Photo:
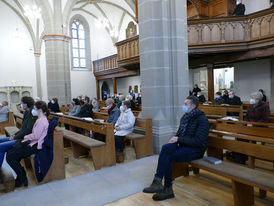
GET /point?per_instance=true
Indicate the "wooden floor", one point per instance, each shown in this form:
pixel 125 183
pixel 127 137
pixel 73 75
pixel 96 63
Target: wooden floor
pixel 205 189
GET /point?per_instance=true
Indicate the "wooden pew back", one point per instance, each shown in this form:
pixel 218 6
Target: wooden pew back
pixel 9 123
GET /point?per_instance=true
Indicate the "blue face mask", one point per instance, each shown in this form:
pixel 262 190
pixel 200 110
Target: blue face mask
pixel 34 112
pixel 230 97
pixel 217 97
pixel 108 107
pixel 185 109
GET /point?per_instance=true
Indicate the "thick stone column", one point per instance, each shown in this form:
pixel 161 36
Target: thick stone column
pixel 164 64
pixel 271 99
pixel 38 75
pixel 58 67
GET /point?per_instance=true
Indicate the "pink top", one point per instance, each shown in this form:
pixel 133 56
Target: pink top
pixel 39 132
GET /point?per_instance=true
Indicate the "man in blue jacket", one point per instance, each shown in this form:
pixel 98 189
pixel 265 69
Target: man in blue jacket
pixel 189 143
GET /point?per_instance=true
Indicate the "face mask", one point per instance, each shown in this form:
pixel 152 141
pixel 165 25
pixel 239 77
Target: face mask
pixel 52 101
pixel 230 97
pixel 34 112
pixel 122 109
pixel 217 97
pixel 185 109
pixel 252 101
pixel 237 3
pixel 108 107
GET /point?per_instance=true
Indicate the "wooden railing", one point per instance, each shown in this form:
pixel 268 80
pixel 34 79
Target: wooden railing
pixel 105 64
pixel 209 35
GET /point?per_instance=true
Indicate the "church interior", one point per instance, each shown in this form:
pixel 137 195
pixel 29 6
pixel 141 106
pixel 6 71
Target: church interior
pixel 177 71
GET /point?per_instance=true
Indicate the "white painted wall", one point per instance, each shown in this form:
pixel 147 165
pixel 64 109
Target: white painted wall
pixel 252 6
pixel 17 58
pixel 124 83
pixel 251 76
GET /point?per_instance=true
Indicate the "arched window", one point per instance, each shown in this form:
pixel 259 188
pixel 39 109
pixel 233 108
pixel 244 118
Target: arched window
pixel 79 46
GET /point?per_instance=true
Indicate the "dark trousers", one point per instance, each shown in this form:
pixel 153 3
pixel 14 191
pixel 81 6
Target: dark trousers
pixel 18 152
pixel 119 145
pixel 172 152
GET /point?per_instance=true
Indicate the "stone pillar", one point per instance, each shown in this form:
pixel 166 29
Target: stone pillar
pixel 58 67
pixel 271 98
pixel 163 64
pixel 38 75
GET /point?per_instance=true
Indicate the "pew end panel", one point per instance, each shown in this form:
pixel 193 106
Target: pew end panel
pixel 8 123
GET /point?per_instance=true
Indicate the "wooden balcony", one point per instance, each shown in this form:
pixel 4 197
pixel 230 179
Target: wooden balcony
pixel 105 64
pixel 240 38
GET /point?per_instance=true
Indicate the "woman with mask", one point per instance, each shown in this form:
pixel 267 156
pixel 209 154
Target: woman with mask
pixel 113 111
pixel 6 144
pixel 258 111
pixel 31 144
pixel 123 127
pixel 218 99
pixel 75 107
pixel 53 105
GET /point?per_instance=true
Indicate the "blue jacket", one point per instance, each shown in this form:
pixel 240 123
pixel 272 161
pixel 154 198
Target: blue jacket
pixel 43 159
pixel 113 116
pixel 196 134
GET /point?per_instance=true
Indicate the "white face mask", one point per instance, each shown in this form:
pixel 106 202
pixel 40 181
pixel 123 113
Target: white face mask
pixel 237 3
pixel 252 101
pixel 52 101
pixel 23 106
pixel 34 112
pixel 122 109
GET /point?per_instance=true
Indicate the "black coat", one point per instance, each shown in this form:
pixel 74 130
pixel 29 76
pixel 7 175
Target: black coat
pixel 196 134
pixel 202 98
pixel 235 101
pixel 54 107
pixel 195 91
pixel 86 111
pixel 226 99
pixel 239 10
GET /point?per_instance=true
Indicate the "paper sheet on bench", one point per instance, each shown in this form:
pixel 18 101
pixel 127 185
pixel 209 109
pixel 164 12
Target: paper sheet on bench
pixel 229 118
pixel 59 113
pixel 88 119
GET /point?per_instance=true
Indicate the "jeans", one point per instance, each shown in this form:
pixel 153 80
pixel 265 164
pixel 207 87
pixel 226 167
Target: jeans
pixel 173 153
pixel 18 152
pixel 5 145
pixel 119 145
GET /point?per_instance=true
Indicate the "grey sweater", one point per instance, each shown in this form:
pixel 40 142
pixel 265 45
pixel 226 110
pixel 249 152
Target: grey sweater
pixel 75 110
pixel 4 114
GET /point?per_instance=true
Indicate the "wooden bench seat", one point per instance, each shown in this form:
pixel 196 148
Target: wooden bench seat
pixel 10 122
pixel 141 137
pixel 81 145
pixel 243 178
pixel 11 131
pixel 7 181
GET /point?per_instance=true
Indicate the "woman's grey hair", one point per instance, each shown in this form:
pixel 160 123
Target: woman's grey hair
pixel 257 95
pixel 5 103
pixel 109 101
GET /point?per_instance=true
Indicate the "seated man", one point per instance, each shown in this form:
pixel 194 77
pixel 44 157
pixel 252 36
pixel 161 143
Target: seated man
pixel 218 99
pixel 123 127
pixel 7 143
pixel 31 144
pixel 113 111
pixel 258 111
pixel 189 143
pixel 4 112
pixel 86 109
pixel 201 97
pixel 233 99
pixel 75 107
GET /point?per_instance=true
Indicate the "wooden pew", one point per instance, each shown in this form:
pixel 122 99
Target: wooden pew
pixel 10 122
pixel 65 109
pixel 103 153
pixel 18 117
pixel 243 179
pixel 57 168
pixel 141 137
pixel 221 110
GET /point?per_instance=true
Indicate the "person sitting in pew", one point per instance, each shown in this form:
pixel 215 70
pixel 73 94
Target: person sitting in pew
pixel 132 103
pixel 53 105
pixel 258 111
pixel 189 143
pixel 120 100
pixel 95 105
pixel 86 109
pixel 233 99
pixel 264 96
pixel 113 111
pixel 27 124
pixel 123 127
pixel 201 97
pixel 75 107
pixel 31 144
pixel 225 97
pixel 4 111
pixel 218 99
